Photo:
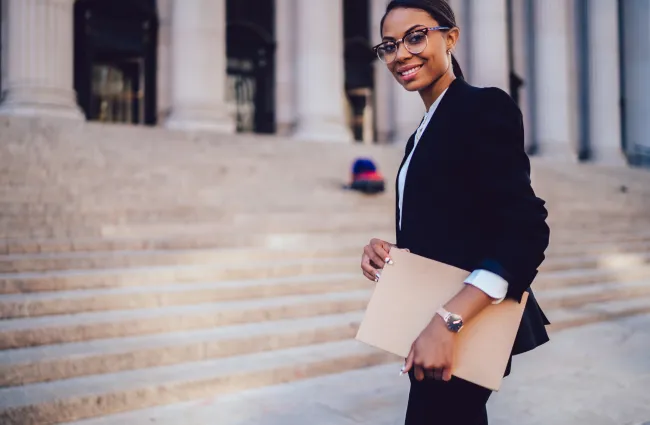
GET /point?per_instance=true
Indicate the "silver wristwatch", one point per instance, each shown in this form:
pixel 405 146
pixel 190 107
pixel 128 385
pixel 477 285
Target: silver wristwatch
pixel 453 321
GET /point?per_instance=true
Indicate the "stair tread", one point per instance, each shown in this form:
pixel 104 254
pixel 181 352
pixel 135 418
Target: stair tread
pixel 171 268
pixel 185 310
pixel 173 287
pixel 45 392
pixel 126 344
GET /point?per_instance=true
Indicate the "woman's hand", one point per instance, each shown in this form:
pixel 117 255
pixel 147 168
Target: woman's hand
pixel 375 255
pixel 432 353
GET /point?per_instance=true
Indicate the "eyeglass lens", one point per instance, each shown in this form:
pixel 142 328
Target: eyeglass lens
pixel 414 42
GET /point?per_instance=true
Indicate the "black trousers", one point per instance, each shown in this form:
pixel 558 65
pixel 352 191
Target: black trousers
pixel 456 402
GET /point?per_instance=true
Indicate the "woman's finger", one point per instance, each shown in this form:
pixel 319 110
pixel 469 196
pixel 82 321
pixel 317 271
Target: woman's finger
pixel 418 371
pixel 381 250
pixel 446 374
pixel 408 363
pixel 372 255
pixel 369 271
pixel 437 374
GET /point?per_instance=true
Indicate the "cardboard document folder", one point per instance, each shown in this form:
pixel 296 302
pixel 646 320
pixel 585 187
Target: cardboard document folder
pixel 405 300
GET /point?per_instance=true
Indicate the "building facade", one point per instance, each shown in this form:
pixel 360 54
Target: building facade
pixel 305 69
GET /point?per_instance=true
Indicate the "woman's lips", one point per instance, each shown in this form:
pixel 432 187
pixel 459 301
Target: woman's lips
pixel 410 73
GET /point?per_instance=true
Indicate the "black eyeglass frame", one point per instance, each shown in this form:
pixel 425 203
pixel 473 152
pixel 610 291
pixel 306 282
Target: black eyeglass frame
pixel 401 40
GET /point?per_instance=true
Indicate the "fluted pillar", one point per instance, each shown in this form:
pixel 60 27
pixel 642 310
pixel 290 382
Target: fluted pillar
pixel 163 98
pixel 522 64
pixel 320 71
pixel 409 111
pixel 460 8
pixel 384 83
pixel 285 60
pixel 604 87
pixel 555 113
pixel 39 71
pixel 489 43
pixel 199 66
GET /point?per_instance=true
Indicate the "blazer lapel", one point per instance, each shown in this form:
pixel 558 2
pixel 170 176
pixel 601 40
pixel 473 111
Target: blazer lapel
pixel 445 108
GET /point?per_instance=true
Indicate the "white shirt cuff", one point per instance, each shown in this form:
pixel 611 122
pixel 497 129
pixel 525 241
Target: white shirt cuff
pixel 491 283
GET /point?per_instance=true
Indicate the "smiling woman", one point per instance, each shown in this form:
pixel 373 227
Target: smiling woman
pixel 464 198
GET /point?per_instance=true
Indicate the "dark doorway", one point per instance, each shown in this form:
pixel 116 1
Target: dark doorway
pixel 115 65
pixel 251 64
pixel 359 58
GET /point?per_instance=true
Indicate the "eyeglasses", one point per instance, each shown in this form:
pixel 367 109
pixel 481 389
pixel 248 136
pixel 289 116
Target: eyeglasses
pixel 415 42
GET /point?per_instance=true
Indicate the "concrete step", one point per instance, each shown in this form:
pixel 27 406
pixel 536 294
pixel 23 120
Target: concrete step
pixel 96 395
pixel 63 361
pixel 43 262
pixel 19 333
pixel 578 277
pixel 561 257
pixel 289 240
pixel 130 298
pixel 572 377
pixel 565 318
pixel 14 283
pixel 295 240
pixel 44 363
pixel 144 295
pixel 103 394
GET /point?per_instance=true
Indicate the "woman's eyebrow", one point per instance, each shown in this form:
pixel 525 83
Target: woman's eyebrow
pixel 405 32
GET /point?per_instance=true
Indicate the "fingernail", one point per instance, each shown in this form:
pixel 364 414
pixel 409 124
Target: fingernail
pixel 401 371
pixel 389 261
pixel 378 276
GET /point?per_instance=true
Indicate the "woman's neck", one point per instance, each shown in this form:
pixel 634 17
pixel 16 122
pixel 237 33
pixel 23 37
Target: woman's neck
pixel 432 93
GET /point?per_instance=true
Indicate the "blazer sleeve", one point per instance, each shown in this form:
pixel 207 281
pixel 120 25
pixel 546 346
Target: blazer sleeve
pixel 513 219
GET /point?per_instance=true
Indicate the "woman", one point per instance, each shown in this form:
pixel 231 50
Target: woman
pixel 464 198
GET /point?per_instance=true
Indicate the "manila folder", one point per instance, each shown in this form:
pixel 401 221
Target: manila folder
pixel 405 300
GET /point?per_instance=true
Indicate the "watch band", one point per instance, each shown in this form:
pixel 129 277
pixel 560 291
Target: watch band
pixel 442 312
pixel 454 322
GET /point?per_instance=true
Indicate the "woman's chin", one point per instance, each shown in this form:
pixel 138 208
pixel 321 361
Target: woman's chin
pixel 413 85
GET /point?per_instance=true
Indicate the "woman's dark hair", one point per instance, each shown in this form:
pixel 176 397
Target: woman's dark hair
pixel 439 10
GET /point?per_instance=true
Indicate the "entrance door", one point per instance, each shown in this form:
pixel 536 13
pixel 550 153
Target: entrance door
pixel 115 60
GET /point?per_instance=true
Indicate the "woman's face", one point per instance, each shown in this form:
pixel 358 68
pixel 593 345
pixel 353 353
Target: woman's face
pixel 418 71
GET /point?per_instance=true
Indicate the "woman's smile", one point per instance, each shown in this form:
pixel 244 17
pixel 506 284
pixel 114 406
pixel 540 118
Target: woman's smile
pixel 408 72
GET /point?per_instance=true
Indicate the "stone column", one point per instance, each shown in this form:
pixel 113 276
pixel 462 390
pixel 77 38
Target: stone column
pixel 164 95
pixel 285 59
pixel 636 45
pixel 489 43
pixel 39 73
pixel 384 82
pixel 199 67
pixel 604 77
pixel 409 111
pixel 320 68
pixel 522 38
pixel 555 113
pixel 461 9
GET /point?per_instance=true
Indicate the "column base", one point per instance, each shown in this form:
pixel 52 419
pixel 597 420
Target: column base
pixel 609 156
pixel 208 121
pixel 44 102
pixel 556 151
pixel 323 132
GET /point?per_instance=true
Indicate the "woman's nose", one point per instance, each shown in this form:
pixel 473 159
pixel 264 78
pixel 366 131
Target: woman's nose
pixel 402 52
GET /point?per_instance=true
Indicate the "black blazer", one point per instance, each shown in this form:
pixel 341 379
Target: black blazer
pixel 468 200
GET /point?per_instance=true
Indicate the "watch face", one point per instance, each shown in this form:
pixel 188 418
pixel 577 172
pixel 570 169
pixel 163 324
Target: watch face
pixel 454 323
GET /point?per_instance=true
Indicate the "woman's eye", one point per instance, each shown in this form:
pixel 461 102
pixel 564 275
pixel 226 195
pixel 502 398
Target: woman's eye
pixel 388 48
pixel 416 38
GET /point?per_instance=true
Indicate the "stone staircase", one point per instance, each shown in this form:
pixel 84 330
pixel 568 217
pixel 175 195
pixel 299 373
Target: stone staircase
pixel 142 267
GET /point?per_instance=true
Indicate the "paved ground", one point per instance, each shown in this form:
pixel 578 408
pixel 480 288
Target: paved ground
pixel 595 375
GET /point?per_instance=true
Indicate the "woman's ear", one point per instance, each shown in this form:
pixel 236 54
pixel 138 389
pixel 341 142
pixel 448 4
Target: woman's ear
pixel 452 38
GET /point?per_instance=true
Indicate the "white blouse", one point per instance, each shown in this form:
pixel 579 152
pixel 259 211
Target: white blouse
pixel 490 283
